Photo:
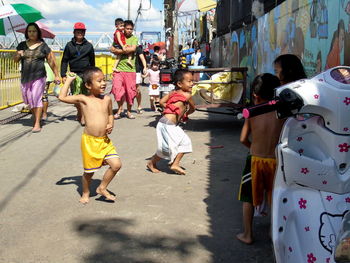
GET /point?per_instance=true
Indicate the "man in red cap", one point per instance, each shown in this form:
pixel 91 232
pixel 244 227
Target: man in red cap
pixel 79 54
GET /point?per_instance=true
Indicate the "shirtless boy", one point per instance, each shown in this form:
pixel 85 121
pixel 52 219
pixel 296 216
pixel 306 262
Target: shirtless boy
pixel 173 143
pixel 264 130
pixel 97 149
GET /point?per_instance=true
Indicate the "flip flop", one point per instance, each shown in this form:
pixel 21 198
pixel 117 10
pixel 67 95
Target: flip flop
pixel 139 111
pixel 130 116
pixel 36 130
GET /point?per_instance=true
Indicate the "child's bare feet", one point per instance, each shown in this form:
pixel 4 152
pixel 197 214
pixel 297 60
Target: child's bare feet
pixel 177 169
pixel 244 239
pixel 106 194
pixel 152 166
pixel 84 198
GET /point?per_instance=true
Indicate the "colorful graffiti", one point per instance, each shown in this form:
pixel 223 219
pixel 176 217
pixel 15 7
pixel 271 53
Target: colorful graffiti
pixel 318 31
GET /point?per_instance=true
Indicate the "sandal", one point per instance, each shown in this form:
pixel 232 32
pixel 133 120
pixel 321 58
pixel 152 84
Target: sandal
pixel 130 116
pixel 36 130
pixel 139 111
pixel 116 116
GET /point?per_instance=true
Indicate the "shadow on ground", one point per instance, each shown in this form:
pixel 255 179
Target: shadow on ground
pixel 226 160
pixel 117 245
pixel 77 181
pixel 31 174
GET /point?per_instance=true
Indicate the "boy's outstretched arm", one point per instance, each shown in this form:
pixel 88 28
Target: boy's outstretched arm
pixel 244 138
pixel 64 90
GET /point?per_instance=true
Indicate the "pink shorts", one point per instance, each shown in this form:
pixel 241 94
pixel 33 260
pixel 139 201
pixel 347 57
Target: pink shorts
pixel 124 85
pixel 32 92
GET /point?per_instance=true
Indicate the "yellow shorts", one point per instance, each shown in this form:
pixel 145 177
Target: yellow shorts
pixel 95 150
pixel 263 175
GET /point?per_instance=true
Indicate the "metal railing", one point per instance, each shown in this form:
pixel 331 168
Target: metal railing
pixel 10 75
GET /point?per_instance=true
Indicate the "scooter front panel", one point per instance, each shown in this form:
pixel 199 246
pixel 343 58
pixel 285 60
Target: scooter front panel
pixel 315 157
pixel 306 223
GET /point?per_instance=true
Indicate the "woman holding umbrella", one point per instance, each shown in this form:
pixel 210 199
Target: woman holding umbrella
pixel 32 54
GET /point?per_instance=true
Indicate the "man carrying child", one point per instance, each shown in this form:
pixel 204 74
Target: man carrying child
pixel 124 79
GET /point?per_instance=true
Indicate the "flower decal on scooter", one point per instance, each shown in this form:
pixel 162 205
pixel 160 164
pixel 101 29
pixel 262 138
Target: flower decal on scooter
pixel 302 203
pixel 316 96
pixel 346 129
pixel 347 200
pixel 311 258
pixel 307 229
pixel 329 198
pixel 299 139
pixel 347 100
pixel 304 171
pixel 344 147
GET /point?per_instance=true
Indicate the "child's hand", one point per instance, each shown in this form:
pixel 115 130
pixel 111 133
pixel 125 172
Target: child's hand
pixel 71 76
pixel 20 53
pixel 144 72
pixel 124 48
pixel 109 128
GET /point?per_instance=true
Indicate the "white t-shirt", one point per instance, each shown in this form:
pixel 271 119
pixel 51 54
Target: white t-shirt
pixel 195 58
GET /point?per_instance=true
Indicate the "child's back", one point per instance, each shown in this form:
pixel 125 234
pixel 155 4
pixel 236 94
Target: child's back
pixel 265 132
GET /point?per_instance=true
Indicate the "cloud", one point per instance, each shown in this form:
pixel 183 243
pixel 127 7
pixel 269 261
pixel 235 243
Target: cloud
pixel 62 14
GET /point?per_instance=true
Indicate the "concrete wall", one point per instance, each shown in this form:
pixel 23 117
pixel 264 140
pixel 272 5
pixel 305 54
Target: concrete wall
pixel 318 31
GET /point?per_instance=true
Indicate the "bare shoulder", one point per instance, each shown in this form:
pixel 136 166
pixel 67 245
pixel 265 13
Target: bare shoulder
pixel 187 95
pixel 106 98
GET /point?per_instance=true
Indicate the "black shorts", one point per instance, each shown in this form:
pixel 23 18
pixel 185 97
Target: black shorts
pixel 245 190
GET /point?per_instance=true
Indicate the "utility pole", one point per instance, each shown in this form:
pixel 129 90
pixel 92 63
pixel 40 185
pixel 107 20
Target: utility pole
pixel 128 9
pixel 171 22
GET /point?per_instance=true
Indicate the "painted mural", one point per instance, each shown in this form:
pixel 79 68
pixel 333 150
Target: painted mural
pixel 318 31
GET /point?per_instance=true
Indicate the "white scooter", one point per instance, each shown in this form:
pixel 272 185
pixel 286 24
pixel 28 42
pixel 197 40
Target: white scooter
pixel 311 196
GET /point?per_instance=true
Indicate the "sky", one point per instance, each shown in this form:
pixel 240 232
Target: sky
pixel 98 15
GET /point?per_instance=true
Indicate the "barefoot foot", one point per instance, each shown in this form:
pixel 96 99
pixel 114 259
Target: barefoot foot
pixel 106 194
pixel 150 165
pixel 177 169
pixel 244 239
pixel 84 198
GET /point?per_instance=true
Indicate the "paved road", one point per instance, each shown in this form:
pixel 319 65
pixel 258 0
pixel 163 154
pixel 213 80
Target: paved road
pixel 156 218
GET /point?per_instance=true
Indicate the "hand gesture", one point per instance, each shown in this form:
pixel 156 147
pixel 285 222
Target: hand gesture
pixel 57 80
pixel 20 53
pixel 109 128
pixel 71 76
pixel 144 71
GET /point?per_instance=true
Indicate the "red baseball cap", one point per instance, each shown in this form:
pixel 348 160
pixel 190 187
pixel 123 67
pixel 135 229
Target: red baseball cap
pixel 80 26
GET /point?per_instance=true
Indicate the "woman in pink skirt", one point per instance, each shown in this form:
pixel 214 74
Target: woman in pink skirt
pixel 32 54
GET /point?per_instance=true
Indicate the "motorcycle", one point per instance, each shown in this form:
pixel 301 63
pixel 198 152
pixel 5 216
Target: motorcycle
pixel 167 70
pixel 311 196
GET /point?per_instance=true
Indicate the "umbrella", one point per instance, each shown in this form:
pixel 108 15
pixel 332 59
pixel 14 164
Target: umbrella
pixel 15 16
pixel 160 44
pixel 190 6
pixel 45 30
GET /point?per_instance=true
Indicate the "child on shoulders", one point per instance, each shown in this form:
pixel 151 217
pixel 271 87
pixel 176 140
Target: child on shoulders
pixel 119 42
